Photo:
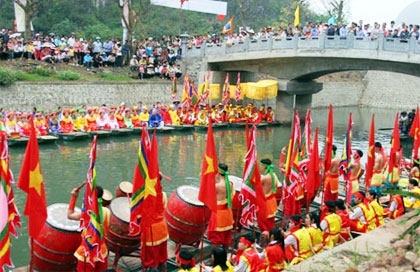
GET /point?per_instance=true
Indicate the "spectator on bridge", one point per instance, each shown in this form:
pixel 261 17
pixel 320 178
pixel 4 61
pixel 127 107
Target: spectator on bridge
pixel 415 32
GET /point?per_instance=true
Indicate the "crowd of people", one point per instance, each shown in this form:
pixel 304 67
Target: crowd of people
pixel 86 119
pixel 149 57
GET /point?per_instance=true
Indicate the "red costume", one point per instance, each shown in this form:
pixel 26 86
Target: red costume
pixel 275 257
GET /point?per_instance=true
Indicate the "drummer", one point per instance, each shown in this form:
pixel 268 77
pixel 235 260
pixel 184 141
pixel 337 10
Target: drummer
pixel 269 182
pixel 82 263
pixel 221 222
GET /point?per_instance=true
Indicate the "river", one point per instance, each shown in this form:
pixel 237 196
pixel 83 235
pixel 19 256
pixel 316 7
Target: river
pixel 64 164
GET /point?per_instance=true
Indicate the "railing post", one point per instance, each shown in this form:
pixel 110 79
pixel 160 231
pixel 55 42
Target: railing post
pixel 381 41
pixel 270 43
pixel 412 42
pixel 295 41
pixel 350 40
pixel 322 39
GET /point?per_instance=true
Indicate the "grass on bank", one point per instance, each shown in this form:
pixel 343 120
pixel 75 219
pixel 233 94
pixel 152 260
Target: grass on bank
pixel 44 72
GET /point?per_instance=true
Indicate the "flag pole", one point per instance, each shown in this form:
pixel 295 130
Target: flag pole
pixel 202 241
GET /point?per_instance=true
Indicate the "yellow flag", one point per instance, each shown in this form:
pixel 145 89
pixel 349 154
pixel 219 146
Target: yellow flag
pixel 297 16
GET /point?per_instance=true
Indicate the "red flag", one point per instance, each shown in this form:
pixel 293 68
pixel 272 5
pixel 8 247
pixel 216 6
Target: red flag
pixel 415 133
pixel 207 193
pixel 329 141
pixel 313 181
pixel 9 215
pixel 371 154
pixel 32 182
pixel 252 194
pixel 395 147
pixel 346 158
pixel 182 3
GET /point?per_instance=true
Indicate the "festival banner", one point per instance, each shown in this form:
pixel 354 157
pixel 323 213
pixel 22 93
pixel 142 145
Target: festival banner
pixel 329 140
pixel 313 181
pixel 9 215
pixel 395 148
pixel 346 158
pixel 252 194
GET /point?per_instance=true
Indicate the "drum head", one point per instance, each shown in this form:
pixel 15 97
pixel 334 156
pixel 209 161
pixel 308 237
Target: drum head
pixel 120 207
pixel 237 182
pixel 126 187
pixel 107 195
pixel 189 194
pixel 57 217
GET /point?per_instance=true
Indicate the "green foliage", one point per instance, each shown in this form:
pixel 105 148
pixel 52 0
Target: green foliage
pixel 43 71
pixel 88 21
pixel 6 77
pixel 19 75
pixel 68 75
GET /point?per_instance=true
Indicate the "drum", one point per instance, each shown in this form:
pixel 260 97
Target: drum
pixel 125 188
pixel 118 239
pixel 186 216
pixel 106 198
pixel 53 249
pixel 236 203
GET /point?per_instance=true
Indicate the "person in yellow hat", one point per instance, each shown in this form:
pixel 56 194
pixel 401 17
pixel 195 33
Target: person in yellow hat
pixel 135 118
pixel 144 117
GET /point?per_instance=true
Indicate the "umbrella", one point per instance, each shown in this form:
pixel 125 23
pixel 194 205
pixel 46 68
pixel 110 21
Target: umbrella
pixel 14 35
pixel 52 34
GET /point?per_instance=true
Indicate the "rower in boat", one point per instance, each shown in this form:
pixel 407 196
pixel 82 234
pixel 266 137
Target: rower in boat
pixel 270 115
pixel 40 124
pixel 53 124
pixel 112 120
pixel 127 119
pixel 144 117
pixel 66 123
pixel 102 120
pixel 135 118
pixel 10 125
pixel 175 120
pixel 23 124
pixel 156 119
pixel 81 122
pixel 120 118
pixel 91 120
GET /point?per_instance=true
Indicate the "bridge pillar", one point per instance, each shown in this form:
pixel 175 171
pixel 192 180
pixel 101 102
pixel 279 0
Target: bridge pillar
pixel 294 95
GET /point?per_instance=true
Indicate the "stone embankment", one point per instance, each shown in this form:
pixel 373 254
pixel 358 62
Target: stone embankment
pixel 365 89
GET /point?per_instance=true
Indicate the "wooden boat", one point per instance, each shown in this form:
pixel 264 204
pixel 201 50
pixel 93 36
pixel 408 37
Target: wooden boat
pixel 99 133
pixel 220 125
pixel 47 139
pixel 17 141
pixel 238 125
pixel 121 132
pixel 74 136
pixel 262 125
pixel 201 127
pixel 161 130
pixel 181 127
pixel 22 141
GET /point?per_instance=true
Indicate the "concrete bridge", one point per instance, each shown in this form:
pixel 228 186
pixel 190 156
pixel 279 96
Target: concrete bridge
pixel 297 62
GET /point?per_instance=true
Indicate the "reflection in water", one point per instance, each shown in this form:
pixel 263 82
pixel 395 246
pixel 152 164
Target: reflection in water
pixel 64 164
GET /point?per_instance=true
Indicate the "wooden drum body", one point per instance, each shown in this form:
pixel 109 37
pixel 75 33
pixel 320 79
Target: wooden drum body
pixel 186 216
pixel 118 239
pixel 54 247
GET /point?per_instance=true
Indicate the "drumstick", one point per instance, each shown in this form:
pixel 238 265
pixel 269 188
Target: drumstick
pixel 80 186
pixel 165 177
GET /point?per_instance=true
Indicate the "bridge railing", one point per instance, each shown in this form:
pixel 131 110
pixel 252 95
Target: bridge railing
pixel 322 42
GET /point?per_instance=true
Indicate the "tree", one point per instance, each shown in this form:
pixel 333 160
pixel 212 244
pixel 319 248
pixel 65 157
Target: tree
pixel 129 17
pixel 29 7
pixel 337 8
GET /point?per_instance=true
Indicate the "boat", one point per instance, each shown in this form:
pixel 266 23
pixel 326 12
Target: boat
pixel 78 135
pixel 161 129
pixel 219 125
pixel 18 141
pixel 121 132
pixel 239 125
pixel 99 133
pixel 181 127
pixel 21 141
pixel 47 139
pixel 201 127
